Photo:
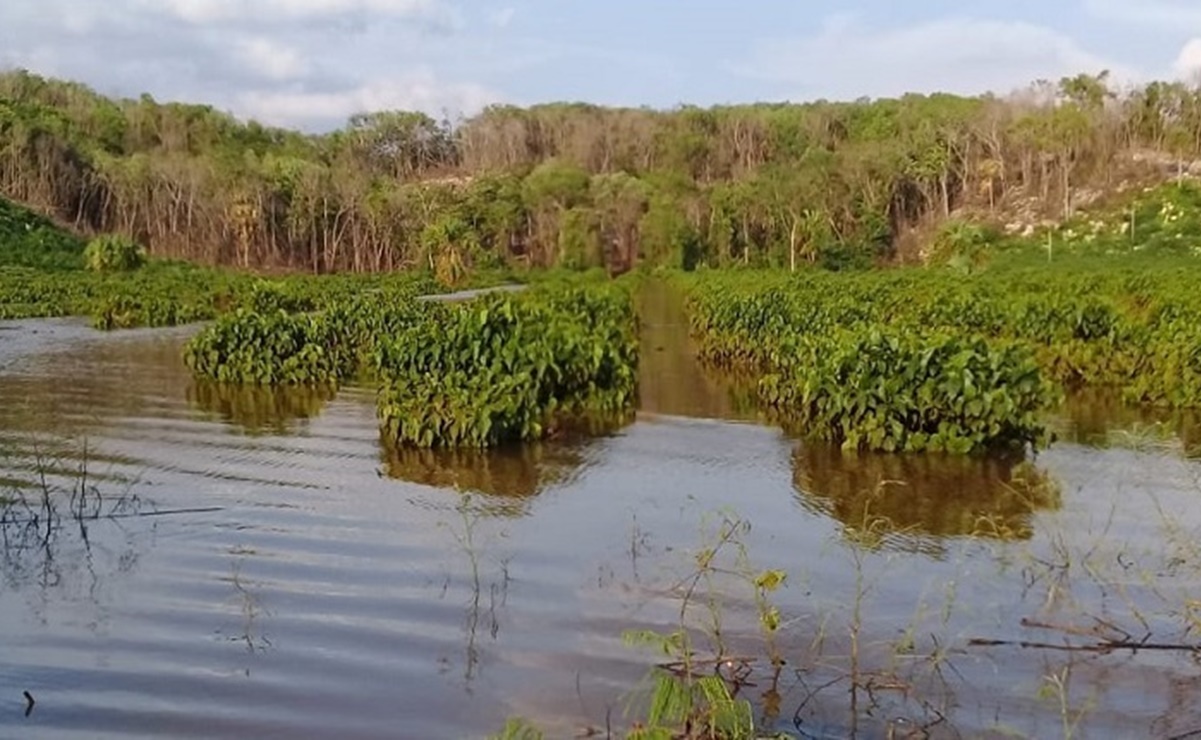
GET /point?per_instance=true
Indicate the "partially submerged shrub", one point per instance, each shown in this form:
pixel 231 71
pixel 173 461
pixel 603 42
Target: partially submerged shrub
pixel 509 368
pixel 273 348
pixel 900 391
pixel 472 374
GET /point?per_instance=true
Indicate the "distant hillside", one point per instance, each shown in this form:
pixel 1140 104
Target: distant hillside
pixel 571 184
pixel 31 240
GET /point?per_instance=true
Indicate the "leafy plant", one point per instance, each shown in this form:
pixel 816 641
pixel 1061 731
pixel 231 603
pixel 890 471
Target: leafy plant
pixel 913 360
pixel 517 728
pixel 29 240
pixel 961 245
pixel 509 368
pixel 900 391
pixel 113 253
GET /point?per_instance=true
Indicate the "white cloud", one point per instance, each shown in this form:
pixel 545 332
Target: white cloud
pixel 271 59
pixel 215 11
pixel 1175 16
pixel 1188 63
pixel 502 18
pixel 847 59
pixel 288 62
pixel 420 91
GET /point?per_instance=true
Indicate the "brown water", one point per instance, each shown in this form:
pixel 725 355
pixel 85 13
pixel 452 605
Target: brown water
pixel 302 582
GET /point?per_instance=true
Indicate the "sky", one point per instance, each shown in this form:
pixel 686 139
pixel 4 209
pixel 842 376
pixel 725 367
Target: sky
pixel 311 64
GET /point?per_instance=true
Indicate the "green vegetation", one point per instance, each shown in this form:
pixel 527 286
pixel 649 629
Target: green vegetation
pixel 567 184
pixel 959 360
pixel 510 368
pixel 518 729
pixel 113 253
pixel 497 369
pixel 936 360
pixel 1157 221
pixel 904 391
pixel 1048 266
pixel 271 349
pixel 302 332
pixel 42 273
pixel 30 241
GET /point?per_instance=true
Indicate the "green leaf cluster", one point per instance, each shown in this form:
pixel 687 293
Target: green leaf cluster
pixel 271 349
pixel 902 391
pixel 113 253
pixel 265 343
pixel 31 241
pixel 510 368
pixel 474 374
pixel 929 359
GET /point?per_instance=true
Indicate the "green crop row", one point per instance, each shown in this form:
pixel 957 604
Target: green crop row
pixel 169 294
pixel 929 359
pixel 285 337
pixel 902 390
pixel 510 368
pixel 474 374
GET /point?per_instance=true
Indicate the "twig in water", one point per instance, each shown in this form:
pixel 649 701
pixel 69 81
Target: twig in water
pixel 133 515
pixel 1105 646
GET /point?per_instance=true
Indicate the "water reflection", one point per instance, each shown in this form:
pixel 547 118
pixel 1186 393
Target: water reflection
pixel 256 410
pixel 1098 417
pixel 81 383
pixel 50 527
pixel 334 587
pixel 670 379
pixel 508 476
pixel 249 630
pixel 914 500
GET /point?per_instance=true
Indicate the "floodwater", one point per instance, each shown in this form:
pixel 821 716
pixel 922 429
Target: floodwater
pixel 270 570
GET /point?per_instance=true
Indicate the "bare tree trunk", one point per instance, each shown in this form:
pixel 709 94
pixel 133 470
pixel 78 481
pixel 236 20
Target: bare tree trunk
pixel 792 236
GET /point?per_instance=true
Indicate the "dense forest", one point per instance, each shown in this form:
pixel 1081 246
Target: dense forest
pixel 571 184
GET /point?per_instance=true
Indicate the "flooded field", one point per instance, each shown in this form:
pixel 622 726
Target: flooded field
pixel 264 568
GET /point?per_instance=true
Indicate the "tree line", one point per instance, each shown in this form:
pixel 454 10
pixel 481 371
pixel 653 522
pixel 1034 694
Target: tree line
pixel 571 184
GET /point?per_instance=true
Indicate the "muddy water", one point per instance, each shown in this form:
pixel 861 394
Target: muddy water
pixel 272 572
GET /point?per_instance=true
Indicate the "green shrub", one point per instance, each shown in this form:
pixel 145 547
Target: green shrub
pixel 271 349
pixel 113 253
pixel 835 351
pixel 509 368
pixel 30 240
pixel 894 391
pixel 961 245
pixel 474 374
pixel 272 346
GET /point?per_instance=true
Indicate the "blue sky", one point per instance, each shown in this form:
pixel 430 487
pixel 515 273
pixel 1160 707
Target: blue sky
pixel 312 63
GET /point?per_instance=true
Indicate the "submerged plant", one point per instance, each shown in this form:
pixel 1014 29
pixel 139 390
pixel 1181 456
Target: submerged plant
pixel 509 368
pixel 916 360
pixel 900 391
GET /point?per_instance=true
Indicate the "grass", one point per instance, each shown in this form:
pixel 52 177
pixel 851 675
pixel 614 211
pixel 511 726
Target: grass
pixel 43 273
pixel 28 240
pixel 1153 223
